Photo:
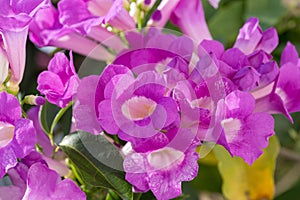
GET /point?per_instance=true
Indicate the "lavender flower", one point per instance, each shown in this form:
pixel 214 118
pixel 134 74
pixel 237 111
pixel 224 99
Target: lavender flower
pixel 3 63
pixel 15 17
pixel 251 38
pixel 135 109
pixel 59 83
pixel 32 179
pixel 85 108
pixel 189 17
pixel 45 183
pixel 162 170
pixel 46 30
pixel 281 96
pixel 17 135
pixel 244 133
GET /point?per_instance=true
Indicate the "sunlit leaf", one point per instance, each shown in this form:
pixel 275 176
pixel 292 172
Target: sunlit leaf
pixel 244 182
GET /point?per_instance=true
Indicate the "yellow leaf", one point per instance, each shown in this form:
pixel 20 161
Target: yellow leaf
pixel 244 182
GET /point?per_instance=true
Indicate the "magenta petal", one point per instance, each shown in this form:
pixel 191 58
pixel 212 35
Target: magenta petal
pixel 234 57
pixel 163 187
pixel 75 14
pixel 288 86
pixel 42 139
pixel 25 137
pixel 86 119
pixel 106 118
pixel 235 104
pixel 246 79
pixel 107 75
pixel 253 137
pixel 210 46
pixel 45 183
pixel 4 65
pixel 66 187
pixel 10 109
pixel 10 192
pixel 249 36
pixel 269 40
pixel 16 56
pixel 84 109
pixel 134 165
pixel 60 82
pixel 52 89
pixel 170 108
pixel 189 16
pixel 183 46
pixel 289 54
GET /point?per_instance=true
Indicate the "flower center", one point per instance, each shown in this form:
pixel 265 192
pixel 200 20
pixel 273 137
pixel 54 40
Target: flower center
pixel 165 158
pixel 138 107
pixel 6 133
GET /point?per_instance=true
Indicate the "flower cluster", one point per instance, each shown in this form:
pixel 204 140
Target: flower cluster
pixel 160 97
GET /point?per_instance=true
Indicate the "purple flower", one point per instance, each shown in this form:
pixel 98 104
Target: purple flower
pixel 59 83
pixel 282 96
pixel 15 17
pixel 3 63
pixel 75 15
pixel 252 38
pixel 112 12
pixel 243 133
pixel 162 170
pixel 247 72
pixel 45 183
pixel 189 17
pixel 17 135
pixel 85 105
pixel 32 179
pixel 46 30
pixel 137 109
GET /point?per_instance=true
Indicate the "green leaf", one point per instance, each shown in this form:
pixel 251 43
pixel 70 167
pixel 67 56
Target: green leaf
pixel 99 162
pixel 268 11
pixel 225 24
pixel 242 181
pixel 46 116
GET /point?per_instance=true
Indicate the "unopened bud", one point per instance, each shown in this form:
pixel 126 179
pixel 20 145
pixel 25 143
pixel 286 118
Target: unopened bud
pixel 34 100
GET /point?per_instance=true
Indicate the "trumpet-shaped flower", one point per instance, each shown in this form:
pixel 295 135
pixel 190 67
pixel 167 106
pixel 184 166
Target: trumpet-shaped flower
pixel 85 105
pixel 46 30
pixel 32 179
pixel 162 170
pixel 243 132
pixel 17 135
pixel 282 96
pixel 59 83
pixel 137 109
pixel 251 38
pixel 15 17
pixel 189 17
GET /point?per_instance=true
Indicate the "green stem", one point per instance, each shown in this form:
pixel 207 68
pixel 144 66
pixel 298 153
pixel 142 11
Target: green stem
pixel 59 116
pixel 54 123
